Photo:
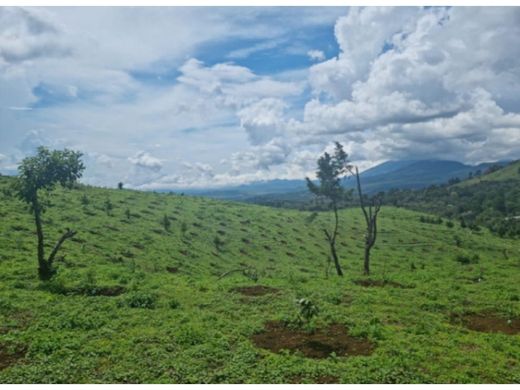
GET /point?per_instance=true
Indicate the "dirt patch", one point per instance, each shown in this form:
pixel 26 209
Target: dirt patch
pixel 16 320
pixel 379 283
pixel 488 322
pixel 9 357
pixel 317 345
pixel 172 270
pixel 255 291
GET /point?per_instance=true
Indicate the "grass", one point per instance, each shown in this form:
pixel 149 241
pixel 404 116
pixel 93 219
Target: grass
pixel 509 172
pixel 189 326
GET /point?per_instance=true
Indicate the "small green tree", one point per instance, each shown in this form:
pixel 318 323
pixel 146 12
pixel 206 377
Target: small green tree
pixel 108 206
pixel 166 223
pixel 120 185
pixel 128 214
pixel 42 173
pixel 330 171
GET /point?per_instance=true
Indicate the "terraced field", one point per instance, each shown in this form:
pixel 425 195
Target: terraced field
pixel 210 296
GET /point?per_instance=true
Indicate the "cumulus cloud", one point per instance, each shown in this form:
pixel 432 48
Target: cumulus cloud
pixel 316 55
pixel 406 82
pixel 27 34
pixel 146 161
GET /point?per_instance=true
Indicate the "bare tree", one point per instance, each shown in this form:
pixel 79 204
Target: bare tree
pixel 370 213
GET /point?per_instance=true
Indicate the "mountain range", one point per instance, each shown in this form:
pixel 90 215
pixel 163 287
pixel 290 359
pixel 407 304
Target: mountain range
pixel 396 174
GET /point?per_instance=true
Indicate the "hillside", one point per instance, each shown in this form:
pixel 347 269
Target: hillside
pixel 137 303
pixel 506 173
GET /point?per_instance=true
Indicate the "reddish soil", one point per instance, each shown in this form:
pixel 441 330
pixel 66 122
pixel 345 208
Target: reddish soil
pixel 317 345
pixel 255 291
pixel 172 270
pixel 8 357
pixel 379 283
pixel 489 323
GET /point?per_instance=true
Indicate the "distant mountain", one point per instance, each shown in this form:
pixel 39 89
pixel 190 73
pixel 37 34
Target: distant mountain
pixel 400 174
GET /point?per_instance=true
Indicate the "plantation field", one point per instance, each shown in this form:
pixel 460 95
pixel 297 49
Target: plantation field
pixel 138 300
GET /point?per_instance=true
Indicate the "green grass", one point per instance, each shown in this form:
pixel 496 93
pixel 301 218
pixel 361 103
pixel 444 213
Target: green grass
pixel 509 172
pixel 188 327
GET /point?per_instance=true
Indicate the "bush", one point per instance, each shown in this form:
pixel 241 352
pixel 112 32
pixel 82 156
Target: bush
pixel 449 224
pixel 463 259
pixel 141 300
pixel 174 304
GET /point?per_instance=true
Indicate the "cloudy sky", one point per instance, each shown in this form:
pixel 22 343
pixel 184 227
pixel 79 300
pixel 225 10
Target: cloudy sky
pixel 206 97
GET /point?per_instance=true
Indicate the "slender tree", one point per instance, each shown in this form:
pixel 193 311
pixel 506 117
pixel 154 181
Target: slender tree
pixel 370 213
pixel 330 171
pixel 42 173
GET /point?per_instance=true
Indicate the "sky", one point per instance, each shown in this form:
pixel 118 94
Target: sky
pixel 205 97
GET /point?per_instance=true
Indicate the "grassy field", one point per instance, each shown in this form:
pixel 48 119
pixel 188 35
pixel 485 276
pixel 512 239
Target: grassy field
pixel 133 302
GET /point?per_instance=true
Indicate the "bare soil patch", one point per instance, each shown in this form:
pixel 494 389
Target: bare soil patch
pixel 317 345
pixel 488 322
pixel 9 357
pixel 379 283
pixel 255 291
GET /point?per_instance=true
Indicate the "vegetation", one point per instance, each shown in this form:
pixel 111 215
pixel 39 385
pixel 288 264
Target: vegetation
pixel 330 171
pixel 133 304
pixel 42 173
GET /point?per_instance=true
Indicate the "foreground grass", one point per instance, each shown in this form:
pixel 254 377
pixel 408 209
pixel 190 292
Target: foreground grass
pixel 189 326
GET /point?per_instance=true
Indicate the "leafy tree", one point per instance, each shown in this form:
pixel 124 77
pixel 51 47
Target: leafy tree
pixel 370 213
pixel 330 171
pixel 42 173
pixel 120 185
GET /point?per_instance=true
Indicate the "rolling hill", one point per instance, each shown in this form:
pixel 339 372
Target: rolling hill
pixel 136 302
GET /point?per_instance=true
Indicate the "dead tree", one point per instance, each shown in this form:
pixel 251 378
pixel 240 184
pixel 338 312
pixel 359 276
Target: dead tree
pixel 370 213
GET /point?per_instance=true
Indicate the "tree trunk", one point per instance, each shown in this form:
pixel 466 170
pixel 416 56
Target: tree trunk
pixel 44 270
pixel 335 258
pixel 332 241
pixel 68 234
pixel 367 259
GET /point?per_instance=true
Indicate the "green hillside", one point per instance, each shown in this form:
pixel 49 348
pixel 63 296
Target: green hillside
pixel 136 303
pixel 509 172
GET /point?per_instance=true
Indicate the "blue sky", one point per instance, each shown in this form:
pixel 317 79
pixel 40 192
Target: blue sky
pixel 209 97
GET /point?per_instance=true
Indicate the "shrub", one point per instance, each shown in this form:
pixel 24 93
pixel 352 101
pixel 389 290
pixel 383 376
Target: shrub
pixel 463 259
pixel 173 304
pixel 308 310
pixel 141 300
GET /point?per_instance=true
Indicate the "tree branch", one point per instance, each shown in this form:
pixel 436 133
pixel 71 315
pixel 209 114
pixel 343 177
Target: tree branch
pixel 68 234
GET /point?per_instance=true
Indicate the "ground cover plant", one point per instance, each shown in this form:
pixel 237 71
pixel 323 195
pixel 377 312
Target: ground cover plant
pixel 137 299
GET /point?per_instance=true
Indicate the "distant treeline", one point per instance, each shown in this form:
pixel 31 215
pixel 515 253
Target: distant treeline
pixel 493 204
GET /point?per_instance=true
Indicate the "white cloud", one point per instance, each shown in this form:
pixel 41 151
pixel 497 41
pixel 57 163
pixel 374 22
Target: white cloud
pixel 316 55
pixel 407 81
pixel 145 160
